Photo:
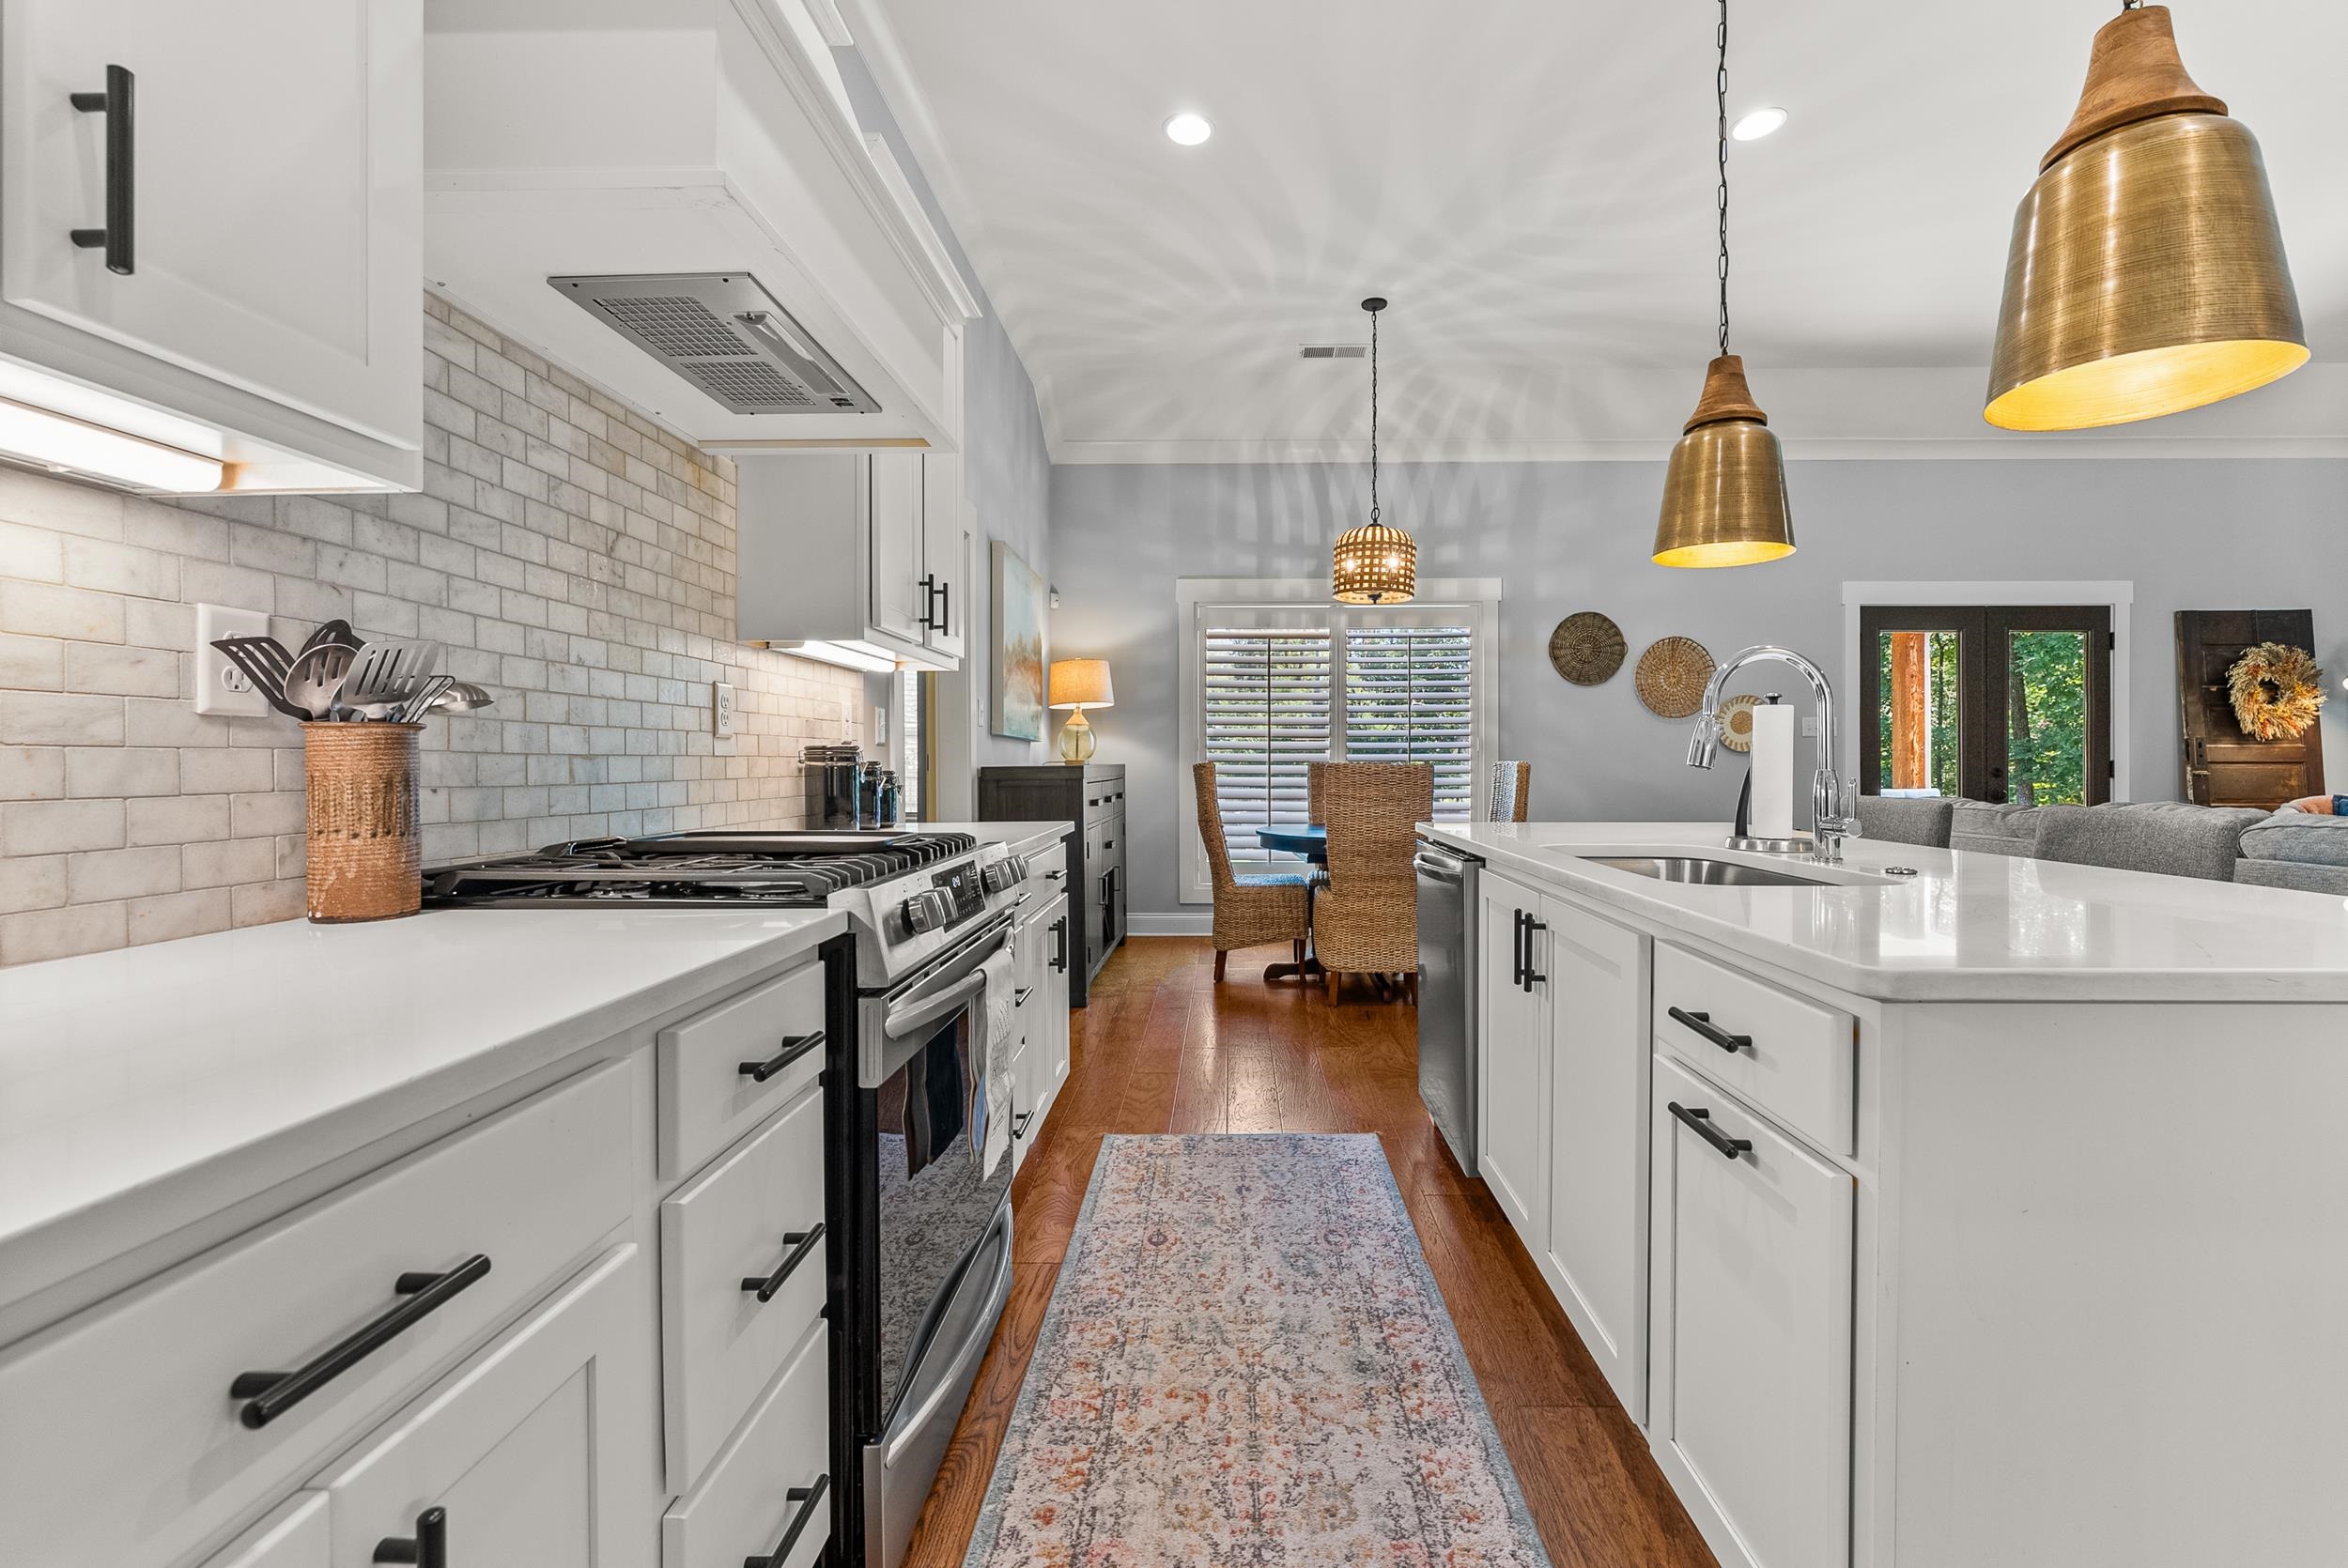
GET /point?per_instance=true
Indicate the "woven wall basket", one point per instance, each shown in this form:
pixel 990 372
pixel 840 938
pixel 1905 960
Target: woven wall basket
pixel 1670 676
pixel 366 860
pixel 1586 648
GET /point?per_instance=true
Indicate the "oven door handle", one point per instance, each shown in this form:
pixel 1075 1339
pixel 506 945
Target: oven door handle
pixel 941 994
pixel 997 1292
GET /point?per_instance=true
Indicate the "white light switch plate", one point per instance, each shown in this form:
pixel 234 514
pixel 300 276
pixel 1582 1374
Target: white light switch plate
pixel 221 687
pixel 1810 725
pixel 720 710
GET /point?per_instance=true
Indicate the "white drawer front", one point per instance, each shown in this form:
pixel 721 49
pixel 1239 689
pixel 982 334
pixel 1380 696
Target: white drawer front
pixel 765 1479
pixel 119 1442
pixel 293 1537
pixel 1798 1061
pixel 719 1343
pixel 710 1094
pixel 524 1451
pixel 1754 1299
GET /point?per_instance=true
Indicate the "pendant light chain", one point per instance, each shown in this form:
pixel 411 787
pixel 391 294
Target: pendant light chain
pixel 1373 417
pixel 1720 93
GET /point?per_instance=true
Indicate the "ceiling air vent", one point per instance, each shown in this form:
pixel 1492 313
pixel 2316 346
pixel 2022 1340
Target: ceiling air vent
pixel 1334 351
pixel 726 335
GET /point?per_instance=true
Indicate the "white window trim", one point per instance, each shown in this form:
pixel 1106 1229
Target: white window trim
pixel 1481 594
pixel 2117 596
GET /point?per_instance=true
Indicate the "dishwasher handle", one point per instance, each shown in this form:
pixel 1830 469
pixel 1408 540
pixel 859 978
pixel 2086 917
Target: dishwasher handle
pixel 1430 862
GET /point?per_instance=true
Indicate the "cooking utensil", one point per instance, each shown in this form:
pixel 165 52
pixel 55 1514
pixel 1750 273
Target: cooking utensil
pixel 386 675
pixel 427 693
pixel 462 697
pixel 265 663
pixel 317 676
pixel 337 631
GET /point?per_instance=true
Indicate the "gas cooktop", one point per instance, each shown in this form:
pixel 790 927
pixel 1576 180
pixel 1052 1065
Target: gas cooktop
pixel 719 867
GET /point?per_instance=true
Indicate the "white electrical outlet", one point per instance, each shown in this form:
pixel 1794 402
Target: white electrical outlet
pixel 720 710
pixel 221 687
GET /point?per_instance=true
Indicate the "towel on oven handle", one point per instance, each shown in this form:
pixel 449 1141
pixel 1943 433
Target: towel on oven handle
pixel 998 1002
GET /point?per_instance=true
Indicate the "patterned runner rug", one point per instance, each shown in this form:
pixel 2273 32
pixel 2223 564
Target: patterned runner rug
pixel 1246 1364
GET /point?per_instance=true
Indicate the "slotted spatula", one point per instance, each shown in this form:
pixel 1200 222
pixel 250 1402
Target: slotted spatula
pixel 266 663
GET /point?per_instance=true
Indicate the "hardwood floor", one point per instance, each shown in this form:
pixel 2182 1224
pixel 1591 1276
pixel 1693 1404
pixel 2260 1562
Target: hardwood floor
pixel 1163 1049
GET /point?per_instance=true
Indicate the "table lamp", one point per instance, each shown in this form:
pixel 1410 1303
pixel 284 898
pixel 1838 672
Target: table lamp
pixel 1078 684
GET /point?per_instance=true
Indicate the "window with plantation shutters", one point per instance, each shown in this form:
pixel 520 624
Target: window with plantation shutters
pixel 1410 697
pixel 1275 677
pixel 1264 707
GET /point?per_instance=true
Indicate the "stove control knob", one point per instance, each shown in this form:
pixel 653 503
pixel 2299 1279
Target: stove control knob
pixel 1004 874
pixel 927 912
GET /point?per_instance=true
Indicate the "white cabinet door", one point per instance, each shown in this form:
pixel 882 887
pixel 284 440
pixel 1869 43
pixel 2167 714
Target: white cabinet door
pixel 537 1451
pixel 275 187
pixel 1513 1152
pixel 944 551
pixel 1054 939
pixel 1597 1138
pixel 900 598
pixel 295 1536
pixel 1752 1324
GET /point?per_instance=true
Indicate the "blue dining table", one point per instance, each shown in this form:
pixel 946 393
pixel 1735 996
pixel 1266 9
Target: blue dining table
pixel 1312 842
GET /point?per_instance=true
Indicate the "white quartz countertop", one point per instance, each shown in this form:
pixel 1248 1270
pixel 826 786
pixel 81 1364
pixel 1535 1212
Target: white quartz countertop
pixel 1964 927
pixel 122 1071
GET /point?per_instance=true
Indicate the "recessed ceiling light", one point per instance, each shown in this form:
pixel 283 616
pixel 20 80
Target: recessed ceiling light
pixel 1760 123
pixel 1188 130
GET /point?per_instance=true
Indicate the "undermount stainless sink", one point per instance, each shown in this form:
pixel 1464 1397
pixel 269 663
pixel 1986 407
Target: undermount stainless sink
pixel 1703 871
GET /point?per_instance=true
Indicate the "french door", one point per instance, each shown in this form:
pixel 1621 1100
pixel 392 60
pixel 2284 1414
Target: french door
pixel 1995 702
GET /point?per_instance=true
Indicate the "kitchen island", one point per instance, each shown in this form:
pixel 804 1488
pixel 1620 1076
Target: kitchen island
pixel 1938 1209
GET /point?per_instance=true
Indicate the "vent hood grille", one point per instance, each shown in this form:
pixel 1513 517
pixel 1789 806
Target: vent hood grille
pixel 725 335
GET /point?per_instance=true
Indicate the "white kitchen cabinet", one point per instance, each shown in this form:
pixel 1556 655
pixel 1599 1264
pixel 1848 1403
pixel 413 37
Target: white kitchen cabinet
pixel 1056 928
pixel 268 288
pixel 1513 1153
pixel 1596 1256
pixel 1042 1065
pixel 525 1451
pixel 840 560
pixel 1753 1260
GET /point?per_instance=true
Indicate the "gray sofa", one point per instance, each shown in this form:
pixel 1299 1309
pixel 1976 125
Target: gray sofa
pixel 2281 849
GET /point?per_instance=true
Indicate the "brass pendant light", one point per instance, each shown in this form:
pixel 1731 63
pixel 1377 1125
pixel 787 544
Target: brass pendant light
pixel 1724 496
pixel 2147 273
pixel 1373 564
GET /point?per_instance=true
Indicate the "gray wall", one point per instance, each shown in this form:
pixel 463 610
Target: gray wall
pixel 1006 469
pixel 1566 536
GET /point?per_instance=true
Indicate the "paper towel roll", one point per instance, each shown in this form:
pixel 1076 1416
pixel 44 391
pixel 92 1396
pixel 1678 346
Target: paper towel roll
pixel 1773 771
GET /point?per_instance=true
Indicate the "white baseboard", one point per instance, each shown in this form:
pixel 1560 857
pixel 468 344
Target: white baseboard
pixel 1170 925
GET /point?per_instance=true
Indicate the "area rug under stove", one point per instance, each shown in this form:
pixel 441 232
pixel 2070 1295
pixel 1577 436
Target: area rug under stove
pixel 1246 1361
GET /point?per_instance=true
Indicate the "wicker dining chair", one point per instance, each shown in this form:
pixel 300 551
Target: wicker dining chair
pixel 1511 791
pixel 1366 921
pixel 1249 910
pixel 1314 773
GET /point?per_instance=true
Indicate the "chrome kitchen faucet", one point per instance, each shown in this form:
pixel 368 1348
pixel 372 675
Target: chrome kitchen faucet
pixel 1831 819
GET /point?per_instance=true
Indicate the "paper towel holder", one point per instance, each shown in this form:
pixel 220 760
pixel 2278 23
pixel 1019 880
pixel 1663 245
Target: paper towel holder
pixel 1740 836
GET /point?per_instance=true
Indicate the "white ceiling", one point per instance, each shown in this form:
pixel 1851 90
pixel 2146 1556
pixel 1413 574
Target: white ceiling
pixel 1531 184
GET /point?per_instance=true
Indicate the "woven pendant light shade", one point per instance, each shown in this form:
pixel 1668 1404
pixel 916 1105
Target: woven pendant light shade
pixel 1725 494
pixel 1373 564
pixel 2147 273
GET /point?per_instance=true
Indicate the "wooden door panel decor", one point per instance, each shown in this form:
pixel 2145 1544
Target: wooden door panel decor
pixel 2221 766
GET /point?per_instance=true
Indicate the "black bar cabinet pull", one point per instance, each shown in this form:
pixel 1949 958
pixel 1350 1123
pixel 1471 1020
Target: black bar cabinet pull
pixel 1516 952
pixel 801 1242
pixel 928 585
pixel 1533 976
pixel 115 103
pixel 945 607
pixel 270 1394
pixel 427 1549
pixel 809 1498
pixel 1019 997
pixel 1060 944
pixel 1019 1125
pixel 1702 1023
pixel 792 1049
pixel 1702 1122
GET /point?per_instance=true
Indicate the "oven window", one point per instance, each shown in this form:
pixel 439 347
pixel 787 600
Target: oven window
pixel 936 1202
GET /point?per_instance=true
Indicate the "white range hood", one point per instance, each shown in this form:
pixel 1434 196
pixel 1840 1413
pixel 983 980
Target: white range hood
pixel 707 144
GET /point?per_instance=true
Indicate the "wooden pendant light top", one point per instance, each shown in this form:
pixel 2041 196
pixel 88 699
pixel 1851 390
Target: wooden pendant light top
pixel 1725 395
pixel 2133 74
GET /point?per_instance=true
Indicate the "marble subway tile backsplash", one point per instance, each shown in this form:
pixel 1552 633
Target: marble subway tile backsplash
pixel 575 557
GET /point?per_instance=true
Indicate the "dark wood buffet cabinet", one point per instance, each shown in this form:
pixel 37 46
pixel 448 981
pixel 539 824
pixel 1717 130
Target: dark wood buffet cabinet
pixel 1091 800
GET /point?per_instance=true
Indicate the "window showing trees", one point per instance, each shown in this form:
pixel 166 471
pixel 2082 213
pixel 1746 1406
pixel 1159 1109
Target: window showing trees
pixel 2002 704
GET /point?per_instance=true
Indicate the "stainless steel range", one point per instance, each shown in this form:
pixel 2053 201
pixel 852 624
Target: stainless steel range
pixel 917 1225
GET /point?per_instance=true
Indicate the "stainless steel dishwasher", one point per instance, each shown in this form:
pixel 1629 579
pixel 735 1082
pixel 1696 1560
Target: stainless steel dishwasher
pixel 1446 993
